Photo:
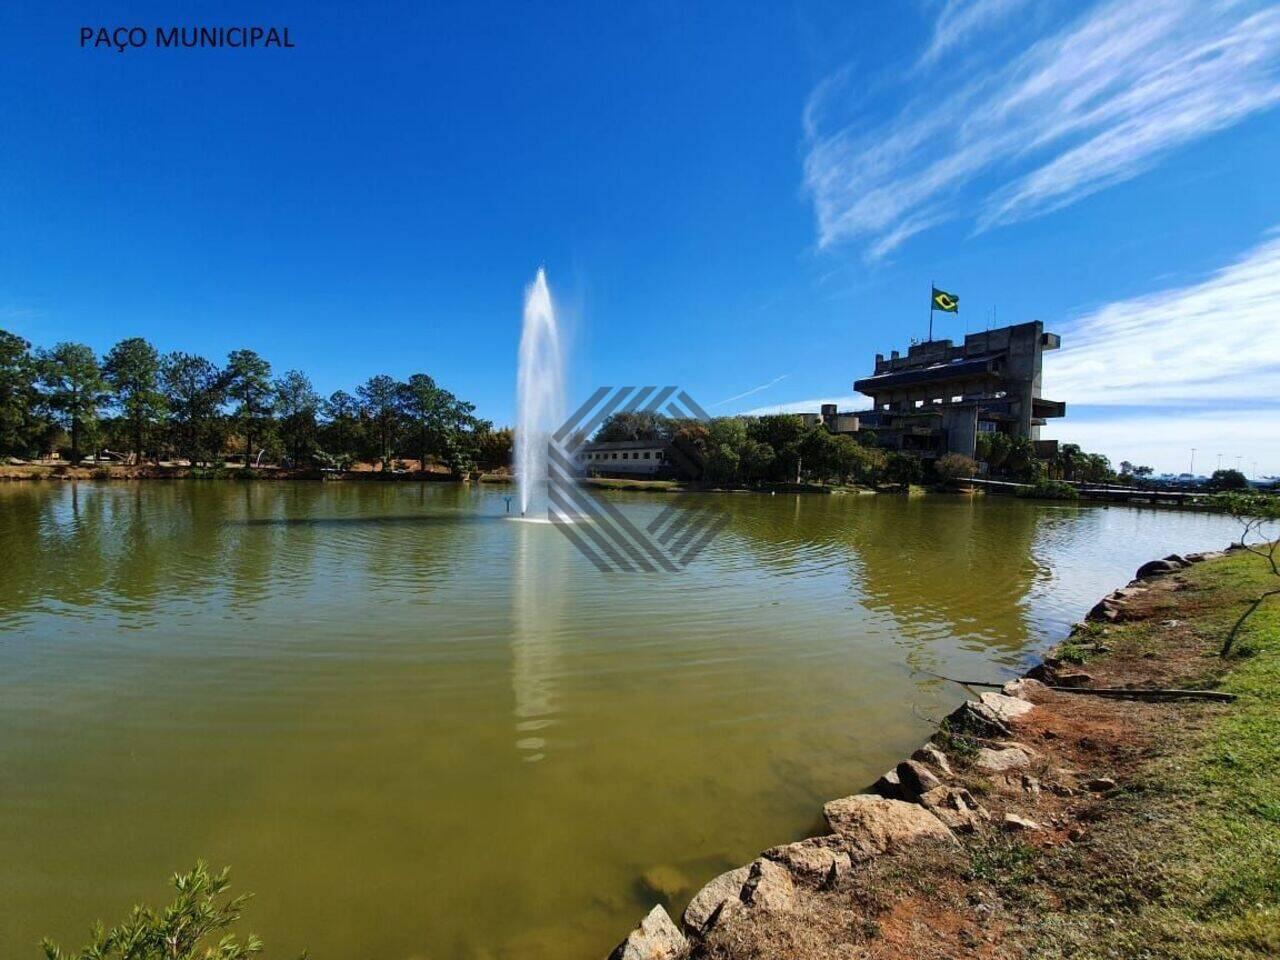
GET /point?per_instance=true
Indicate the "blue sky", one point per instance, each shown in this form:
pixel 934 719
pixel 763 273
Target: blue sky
pixel 749 200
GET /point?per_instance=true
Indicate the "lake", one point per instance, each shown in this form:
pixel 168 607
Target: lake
pixel 415 729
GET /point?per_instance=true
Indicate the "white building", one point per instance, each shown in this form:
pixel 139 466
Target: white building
pixel 630 458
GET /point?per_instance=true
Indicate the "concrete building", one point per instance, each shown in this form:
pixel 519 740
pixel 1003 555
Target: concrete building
pixel 830 418
pixel 940 396
pixel 837 422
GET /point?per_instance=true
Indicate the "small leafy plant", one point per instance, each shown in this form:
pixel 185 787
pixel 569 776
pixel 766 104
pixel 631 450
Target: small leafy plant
pixel 184 930
pixel 1259 515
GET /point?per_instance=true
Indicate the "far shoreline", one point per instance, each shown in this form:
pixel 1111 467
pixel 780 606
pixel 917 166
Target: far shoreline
pixel 115 473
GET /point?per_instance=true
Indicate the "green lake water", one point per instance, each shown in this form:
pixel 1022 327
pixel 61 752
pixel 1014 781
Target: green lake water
pixel 418 730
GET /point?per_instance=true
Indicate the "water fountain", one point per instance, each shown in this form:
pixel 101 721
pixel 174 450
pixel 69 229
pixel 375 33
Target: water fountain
pixel 539 393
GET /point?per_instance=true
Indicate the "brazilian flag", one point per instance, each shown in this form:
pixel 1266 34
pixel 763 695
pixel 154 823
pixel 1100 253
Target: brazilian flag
pixel 946 302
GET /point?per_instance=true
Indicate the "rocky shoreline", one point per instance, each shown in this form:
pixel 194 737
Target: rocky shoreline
pixel 922 800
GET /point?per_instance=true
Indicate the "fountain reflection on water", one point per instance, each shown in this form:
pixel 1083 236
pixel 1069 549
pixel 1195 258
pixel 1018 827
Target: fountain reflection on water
pixel 538 600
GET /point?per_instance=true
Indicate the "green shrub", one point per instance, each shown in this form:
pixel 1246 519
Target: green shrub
pixel 902 469
pixel 953 467
pixel 190 928
pixel 1049 490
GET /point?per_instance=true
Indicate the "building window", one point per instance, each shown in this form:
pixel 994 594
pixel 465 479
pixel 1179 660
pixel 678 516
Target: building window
pixel 624 456
pixel 646 454
pixel 615 456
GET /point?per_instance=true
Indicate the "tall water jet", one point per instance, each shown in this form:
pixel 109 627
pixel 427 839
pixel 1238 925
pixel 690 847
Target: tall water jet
pixel 539 392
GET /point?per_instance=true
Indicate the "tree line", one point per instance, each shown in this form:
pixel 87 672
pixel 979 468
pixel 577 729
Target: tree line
pixel 787 448
pixel 781 448
pixel 180 406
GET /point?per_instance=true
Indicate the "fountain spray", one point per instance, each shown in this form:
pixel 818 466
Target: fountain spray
pixel 539 392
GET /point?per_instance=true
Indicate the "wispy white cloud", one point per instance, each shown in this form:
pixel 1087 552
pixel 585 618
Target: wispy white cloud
pixel 754 390
pixel 1206 342
pixel 1097 102
pixel 958 20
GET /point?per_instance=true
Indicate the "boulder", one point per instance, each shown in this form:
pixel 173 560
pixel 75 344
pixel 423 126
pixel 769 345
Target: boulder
pixel 664 881
pixel 657 938
pixel 977 718
pixel 819 861
pixel 1006 708
pixel 1099 784
pixel 955 807
pixel 1073 678
pixel 707 901
pixel 1128 593
pixel 726 914
pixel 1015 823
pixel 1157 568
pixel 770 886
pixel 888 786
pixel 1001 760
pixel 1180 560
pixel 1104 610
pixel 1023 689
pixel 915 779
pixel 932 755
pixel 871 825
pixel 1205 555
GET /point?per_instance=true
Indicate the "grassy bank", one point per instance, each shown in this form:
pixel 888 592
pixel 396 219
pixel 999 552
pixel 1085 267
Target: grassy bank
pixel 1198 827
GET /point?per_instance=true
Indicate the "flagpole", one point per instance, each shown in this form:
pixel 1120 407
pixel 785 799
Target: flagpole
pixel 931 286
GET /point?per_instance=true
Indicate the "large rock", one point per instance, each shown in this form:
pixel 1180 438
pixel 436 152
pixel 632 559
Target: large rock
pixel 888 786
pixel 978 719
pixel 915 779
pixel 871 825
pixel 1125 594
pixel 1105 610
pixel 1014 823
pixel 657 938
pixel 1001 760
pixel 769 887
pixel 665 881
pixel 819 861
pixel 1157 568
pixel 1023 689
pixel 1073 678
pixel 1006 708
pixel 955 807
pixel 1206 555
pixel 728 886
pixel 933 756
